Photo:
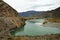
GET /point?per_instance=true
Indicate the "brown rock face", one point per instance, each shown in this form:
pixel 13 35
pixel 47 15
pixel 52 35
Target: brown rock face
pixel 9 19
pixel 7 11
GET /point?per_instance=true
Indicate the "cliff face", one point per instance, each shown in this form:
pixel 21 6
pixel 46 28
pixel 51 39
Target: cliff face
pixel 9 19
pixel 7 11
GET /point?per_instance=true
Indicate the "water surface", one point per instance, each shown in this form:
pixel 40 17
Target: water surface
pixel 36 28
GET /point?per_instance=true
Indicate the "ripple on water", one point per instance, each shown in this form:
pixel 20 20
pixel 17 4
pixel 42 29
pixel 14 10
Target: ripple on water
pixel 31 28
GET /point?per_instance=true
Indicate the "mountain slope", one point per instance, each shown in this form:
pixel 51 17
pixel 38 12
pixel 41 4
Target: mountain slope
pixel 56 13
pixel 9 19
pixel 28 13
pixel 49 14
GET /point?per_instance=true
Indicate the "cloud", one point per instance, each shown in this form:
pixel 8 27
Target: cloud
pixel 36 6
pixel 39 5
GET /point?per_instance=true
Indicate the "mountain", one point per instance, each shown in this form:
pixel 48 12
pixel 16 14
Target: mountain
pixel 29 13
pixel 6 10
pixel 48 14
pixel 56 13
pixel 42 14
pixel 9 19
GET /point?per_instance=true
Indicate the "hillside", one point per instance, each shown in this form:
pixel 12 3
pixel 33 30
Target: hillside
pixel 56 13
pixel 9 19
pixel 49 14
pixel 6 10
pixel 29 13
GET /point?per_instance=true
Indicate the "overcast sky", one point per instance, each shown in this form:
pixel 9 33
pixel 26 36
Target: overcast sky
pixel 38 5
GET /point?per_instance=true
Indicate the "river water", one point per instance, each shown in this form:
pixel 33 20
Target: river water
pixel 36 27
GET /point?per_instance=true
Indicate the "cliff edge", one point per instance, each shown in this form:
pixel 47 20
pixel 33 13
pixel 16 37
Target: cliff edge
pixel 9 19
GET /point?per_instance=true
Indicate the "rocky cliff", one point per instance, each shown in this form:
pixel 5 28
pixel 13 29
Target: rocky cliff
pixel 9 19
pixel 6 10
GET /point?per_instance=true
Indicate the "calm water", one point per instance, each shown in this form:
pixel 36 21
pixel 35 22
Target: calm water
pixel 35 27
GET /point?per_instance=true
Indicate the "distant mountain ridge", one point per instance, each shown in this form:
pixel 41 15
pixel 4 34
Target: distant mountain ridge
pixel 42 14
pixel 29 13
pixel 49 14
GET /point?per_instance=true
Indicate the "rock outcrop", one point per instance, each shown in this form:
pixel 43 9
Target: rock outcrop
pixel 9 19
pixel 6 10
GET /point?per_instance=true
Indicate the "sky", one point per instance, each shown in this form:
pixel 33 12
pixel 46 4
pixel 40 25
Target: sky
pixel 37 5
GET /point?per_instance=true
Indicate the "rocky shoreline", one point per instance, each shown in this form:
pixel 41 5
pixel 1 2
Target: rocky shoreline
pixel 46 37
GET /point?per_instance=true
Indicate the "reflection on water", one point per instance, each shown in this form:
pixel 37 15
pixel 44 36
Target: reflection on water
pixel 33 28
pixel 33 21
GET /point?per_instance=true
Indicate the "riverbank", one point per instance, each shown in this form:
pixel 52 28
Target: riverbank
pixel 46 37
